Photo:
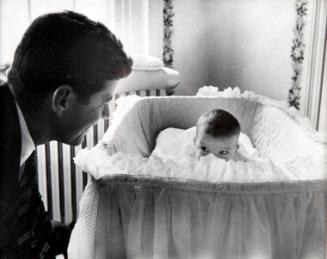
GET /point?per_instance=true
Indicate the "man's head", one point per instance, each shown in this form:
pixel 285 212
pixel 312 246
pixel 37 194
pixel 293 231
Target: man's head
pixel 68 66
pixel 217 132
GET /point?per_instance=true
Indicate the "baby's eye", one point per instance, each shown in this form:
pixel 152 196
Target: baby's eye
pixel 223 152
pixel 204 148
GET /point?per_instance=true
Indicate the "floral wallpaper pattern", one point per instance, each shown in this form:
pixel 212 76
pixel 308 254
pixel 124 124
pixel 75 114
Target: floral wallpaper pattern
pixel 297 53
pixel 168 51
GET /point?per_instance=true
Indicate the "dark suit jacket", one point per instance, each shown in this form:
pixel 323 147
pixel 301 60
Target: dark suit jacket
pixel 25 228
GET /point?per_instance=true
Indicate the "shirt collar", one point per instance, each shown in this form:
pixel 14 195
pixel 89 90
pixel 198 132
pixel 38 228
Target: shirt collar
pixel 28 145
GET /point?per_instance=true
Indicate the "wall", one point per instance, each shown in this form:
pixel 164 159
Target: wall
pixel 250 44
pixel 190 44
pixel 247 43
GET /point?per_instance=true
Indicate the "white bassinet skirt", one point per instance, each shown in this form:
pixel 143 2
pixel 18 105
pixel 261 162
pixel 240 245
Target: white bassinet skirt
pixel 133 210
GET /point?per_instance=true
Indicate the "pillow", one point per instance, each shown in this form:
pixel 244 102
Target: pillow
pixel 146 63
pixel 148 73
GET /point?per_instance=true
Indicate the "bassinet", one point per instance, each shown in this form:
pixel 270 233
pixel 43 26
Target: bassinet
pixel 140 216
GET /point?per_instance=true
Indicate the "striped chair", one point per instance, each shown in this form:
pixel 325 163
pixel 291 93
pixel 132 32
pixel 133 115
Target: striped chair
pixel 60 183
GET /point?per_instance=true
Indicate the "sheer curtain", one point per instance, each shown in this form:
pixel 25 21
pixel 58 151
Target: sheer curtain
pixel 137 23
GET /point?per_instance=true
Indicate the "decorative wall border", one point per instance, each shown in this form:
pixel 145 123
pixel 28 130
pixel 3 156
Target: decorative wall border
pixel 168 51
pixel 297 53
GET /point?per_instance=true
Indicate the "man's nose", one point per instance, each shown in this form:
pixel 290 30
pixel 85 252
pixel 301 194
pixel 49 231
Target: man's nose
pixel 105 111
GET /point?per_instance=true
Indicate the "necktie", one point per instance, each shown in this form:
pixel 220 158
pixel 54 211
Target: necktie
pixel 31 225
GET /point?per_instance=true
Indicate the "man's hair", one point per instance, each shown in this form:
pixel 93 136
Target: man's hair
pixel 67 48
pixel 219 123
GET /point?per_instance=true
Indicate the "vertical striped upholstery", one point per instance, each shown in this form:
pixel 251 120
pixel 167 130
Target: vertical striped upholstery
pixel 60 183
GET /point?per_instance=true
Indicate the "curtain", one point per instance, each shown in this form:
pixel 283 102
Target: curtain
pixel 137 23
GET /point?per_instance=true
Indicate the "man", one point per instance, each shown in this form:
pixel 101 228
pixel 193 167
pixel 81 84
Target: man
pixel 63 75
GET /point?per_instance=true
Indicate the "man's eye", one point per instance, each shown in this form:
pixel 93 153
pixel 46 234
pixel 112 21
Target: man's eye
pixel 224 152
pixel 203 148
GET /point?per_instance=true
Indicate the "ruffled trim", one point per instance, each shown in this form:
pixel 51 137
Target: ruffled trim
pixel 99 164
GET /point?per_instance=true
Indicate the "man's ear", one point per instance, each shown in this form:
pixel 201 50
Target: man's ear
pixel 62 98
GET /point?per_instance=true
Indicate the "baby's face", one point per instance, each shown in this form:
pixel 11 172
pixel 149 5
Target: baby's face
pixel 221 147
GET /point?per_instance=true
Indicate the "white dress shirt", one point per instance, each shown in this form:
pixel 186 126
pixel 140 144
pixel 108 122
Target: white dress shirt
pixel 28 145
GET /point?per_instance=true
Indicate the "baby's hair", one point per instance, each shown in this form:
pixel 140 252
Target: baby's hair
pixel 219 123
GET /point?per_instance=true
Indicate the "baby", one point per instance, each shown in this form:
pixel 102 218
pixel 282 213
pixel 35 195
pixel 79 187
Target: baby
pixel 217 132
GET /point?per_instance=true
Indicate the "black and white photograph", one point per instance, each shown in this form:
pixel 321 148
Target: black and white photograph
pixel 163 129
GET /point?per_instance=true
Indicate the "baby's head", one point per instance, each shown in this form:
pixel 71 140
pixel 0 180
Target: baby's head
pixel 217 132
